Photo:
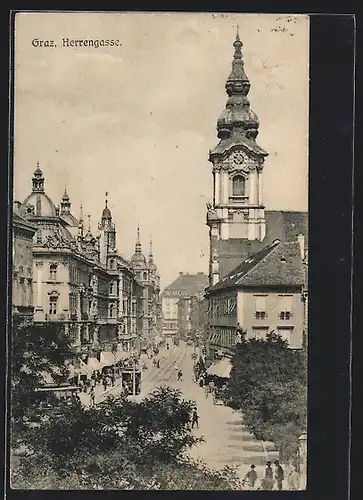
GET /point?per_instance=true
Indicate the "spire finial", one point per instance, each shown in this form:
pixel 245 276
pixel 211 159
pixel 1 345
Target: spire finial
pixel 81 214
pixel 106 197
pixel 151 247
pixel 237 34
pixel 138 244
pixel 89 222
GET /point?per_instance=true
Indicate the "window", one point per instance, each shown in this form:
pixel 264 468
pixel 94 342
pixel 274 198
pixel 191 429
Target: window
pixel 238 185
pixel 285 307
pixel 112 264
pixel 53 272
pixel 112 310
pixel 111 288
pixel 260 333
pixel 145 276
pixel 53 305
pixel 285 333
pixel 260 303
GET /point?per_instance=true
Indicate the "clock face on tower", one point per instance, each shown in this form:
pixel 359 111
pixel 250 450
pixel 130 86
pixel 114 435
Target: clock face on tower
pixel 238 160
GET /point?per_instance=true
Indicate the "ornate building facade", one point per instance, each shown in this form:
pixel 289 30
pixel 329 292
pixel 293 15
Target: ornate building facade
pixel 147 275
pixel 77 278
pixel 22 275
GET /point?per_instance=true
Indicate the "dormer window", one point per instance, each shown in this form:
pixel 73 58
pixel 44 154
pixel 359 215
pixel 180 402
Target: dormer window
pixel 53 272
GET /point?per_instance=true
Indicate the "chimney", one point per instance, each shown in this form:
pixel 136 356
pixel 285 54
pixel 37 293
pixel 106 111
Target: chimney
pixel 181 273
pixel 301 241
pixel 16 207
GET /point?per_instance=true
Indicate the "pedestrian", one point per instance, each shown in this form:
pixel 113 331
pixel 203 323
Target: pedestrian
pixel 104 383
pixel 201 382
pixel 251 477
pixel 113 379
pixel 158 364
pixel 93 397
pixel 279 475
pixel 269 477
pixel 293 479
pixel 195 418
pixel 180 375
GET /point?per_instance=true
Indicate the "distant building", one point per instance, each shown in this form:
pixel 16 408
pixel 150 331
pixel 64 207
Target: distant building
pixel 22 275
pixel 192 317
pixel 185 286
pixel 264 293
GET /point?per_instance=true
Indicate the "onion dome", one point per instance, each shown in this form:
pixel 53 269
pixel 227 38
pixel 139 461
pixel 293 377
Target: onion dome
pixel 106 213
pixel 138 259
pixel 38 203
pixel 237 120
pixel 151 262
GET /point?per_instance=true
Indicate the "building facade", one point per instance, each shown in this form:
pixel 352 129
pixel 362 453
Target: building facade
pixel 22 274
pixel 239 225
pixel 77 279
pixel 264 293
pixel 181 292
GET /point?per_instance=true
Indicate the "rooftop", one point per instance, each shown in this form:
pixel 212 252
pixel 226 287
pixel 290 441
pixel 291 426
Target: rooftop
pixel 278 264
pixel 187 284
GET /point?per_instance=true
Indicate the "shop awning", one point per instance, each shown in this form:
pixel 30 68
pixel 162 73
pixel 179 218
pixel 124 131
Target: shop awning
pixel 94 364
pixel 107 358
pixel 221 368
pixel 86 370
pixel 120 355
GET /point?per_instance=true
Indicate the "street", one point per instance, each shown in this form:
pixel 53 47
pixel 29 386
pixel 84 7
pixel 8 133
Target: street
pixel 227 442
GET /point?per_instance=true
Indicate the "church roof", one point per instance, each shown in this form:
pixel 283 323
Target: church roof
pixel 187 284
pixel 281 225
pixel 237 140
pixel 278 264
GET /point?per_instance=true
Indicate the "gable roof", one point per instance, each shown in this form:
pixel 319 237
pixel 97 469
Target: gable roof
pixel 187 284
pixel 276 264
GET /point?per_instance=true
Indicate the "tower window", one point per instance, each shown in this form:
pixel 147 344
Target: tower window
pixel 145 276
pixel 238 185
pixel 53 272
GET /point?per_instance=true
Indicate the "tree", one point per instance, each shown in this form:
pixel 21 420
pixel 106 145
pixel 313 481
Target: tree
pixel 268 383
pixel 36 350
pixel 118 445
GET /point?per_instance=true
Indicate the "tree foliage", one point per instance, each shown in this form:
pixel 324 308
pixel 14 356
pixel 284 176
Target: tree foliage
pixel 118 444
pixel 268 383
pixel 37 350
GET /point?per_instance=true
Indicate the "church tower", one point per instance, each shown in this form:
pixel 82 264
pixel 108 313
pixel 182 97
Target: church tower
pixel 236 217
pixel 107 233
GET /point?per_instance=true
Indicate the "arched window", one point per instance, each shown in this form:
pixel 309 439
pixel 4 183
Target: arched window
pixel 112 264
pixel 53 272
pixel 53 304
pixel 145 276
pixel 112 310
pixel 111 289
pixel 238 185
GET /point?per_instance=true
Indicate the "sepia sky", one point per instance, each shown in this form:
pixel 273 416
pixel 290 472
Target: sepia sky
pixel 138 120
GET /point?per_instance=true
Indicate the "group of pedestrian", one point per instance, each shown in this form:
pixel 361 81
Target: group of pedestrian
pixel 273 478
